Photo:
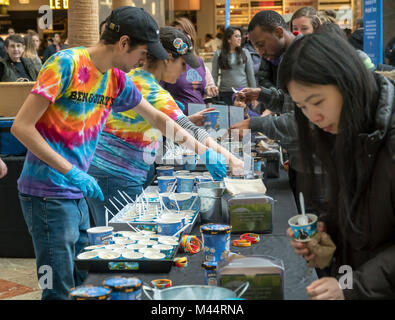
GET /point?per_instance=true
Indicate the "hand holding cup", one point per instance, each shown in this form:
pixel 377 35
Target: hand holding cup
pixel 301 248
pixel 198 118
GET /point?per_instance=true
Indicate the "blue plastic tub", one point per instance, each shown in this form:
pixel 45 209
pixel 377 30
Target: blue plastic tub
pixel 9 145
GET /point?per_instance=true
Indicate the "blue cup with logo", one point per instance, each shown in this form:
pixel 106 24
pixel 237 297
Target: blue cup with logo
pixel 100 235
pixel 303 233
pixel 165 199
pixel 210 273
pixel 165 171
pixel 189 161
pixel 168 226
pixel 184 200
pixel 182 173
pixel 165 183
pixel 216 240
pixel 185 183
pixel 257 165
pixel 90 292
pixel 174 214
pixel 124 288
pixel 167 249
pixel 210 120
pixel 151 197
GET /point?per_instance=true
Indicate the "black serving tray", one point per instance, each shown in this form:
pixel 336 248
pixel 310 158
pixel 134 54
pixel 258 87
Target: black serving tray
pixel 120 265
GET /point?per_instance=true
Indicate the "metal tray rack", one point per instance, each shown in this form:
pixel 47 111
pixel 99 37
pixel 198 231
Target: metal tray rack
pixel 119 222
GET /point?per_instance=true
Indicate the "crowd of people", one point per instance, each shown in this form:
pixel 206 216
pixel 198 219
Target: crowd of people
pixel 94 118
pixel 22 56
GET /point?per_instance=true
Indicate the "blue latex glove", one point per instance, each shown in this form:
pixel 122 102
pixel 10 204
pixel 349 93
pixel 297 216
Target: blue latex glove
pixel 86 183
pixel 215 164
pixel 180 105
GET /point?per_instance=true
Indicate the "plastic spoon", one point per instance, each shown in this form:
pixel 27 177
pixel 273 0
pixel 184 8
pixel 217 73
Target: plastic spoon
pixel 123 197
pixel 193 202
pixel 119 202
pixel 108 210
pixel 114 205
pixel 303 220
pixel 128 196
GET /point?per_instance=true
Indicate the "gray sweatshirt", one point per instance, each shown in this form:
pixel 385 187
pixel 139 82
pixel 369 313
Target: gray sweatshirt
pixel 238 76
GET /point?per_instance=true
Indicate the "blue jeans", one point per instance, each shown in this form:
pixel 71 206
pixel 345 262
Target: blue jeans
pixel 110 185
pixel 58 229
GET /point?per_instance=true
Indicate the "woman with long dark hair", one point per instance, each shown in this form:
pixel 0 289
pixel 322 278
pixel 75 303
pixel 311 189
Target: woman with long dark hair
pixel 235 65
pixel 346 119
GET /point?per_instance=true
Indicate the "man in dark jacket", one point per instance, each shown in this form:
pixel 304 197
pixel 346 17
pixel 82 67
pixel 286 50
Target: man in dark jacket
pixel 270 35
pixel 390 52
pixel 53 48
pixel 356 38
pixel 13 67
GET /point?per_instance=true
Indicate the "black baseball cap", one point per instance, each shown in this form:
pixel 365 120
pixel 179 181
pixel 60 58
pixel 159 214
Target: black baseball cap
pixel 178 43
pixel 137 24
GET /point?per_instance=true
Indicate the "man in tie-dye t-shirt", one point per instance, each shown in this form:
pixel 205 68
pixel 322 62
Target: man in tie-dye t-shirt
pixel 81 98
pixel 60 123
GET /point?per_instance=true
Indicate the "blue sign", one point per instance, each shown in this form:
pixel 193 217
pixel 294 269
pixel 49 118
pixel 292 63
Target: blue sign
pixel 227 13
pixel 373 30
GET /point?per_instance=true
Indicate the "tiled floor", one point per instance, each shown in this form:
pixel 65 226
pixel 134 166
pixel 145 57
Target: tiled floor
pixel 18 279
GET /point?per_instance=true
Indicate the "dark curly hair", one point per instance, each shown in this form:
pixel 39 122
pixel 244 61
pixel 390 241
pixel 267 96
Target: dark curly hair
pixel 326 58
pixel 223 59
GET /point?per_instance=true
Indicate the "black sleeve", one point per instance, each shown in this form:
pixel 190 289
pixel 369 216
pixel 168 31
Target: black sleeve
pixel 265 74
pixel 46 54
pixel 3 53
pixel 390 49
pixel 281 128
pixel 276 100
pixel 1 70
pixel 375 278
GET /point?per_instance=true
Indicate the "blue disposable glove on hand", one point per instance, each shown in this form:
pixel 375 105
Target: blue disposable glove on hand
pixel 86 183
pixel 215 164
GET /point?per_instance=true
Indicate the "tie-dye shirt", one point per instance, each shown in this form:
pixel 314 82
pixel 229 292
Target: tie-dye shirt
pixel 81 97
pixel 128 144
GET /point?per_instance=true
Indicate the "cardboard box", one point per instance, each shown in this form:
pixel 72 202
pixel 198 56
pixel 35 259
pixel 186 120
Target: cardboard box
pixel 265 275
pixel 13 95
